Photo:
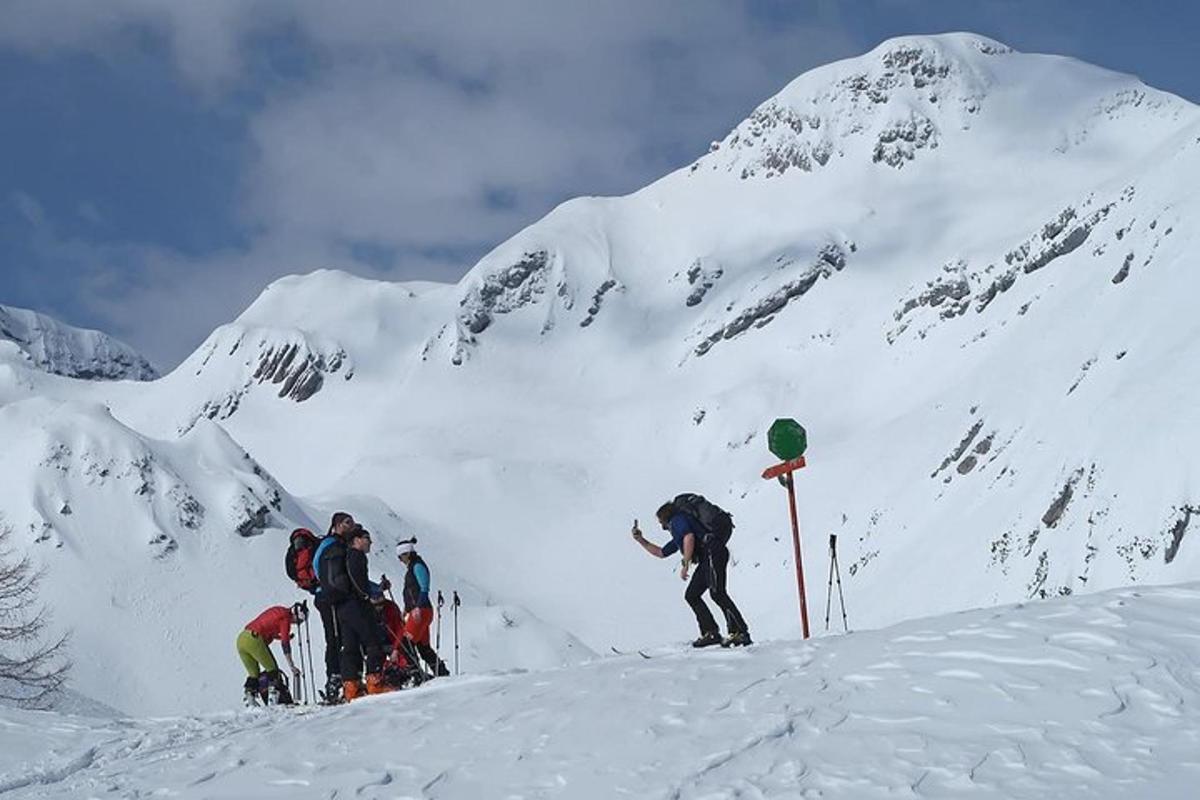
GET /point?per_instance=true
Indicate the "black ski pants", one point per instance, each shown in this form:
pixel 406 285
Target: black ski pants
pixel 358 627
pixel 430 657
pixel 332 644
pixel 710 576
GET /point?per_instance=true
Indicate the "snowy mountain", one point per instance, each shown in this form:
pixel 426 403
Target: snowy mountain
pixel 61 349
pixel 1083 697
pixel 160 549
pixel 965 269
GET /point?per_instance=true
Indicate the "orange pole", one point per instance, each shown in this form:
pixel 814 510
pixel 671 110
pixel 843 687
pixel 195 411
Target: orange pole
pixel 799 562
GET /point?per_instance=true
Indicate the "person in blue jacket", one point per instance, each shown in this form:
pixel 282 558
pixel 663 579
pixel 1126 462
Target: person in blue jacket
pixel 339 528
pixel 710 557
pixel 418 610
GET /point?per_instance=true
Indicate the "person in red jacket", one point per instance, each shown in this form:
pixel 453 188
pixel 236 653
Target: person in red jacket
pixel 254 648
pixel 400 662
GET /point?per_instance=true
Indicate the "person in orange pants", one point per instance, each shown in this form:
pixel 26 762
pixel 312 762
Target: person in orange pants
pixel 418 610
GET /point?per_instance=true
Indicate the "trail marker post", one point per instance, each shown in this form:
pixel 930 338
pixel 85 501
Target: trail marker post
pixel 787 440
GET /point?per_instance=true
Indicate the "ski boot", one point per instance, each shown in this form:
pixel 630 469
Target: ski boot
pixel 278 693
pixel 352 690
pixel 377 685
pixel 708 639
pixel 332 694
pixel 738 639
pixel 264 689
pixel 250 693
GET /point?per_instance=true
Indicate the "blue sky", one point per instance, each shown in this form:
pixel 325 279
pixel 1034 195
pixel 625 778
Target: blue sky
pixel 163 161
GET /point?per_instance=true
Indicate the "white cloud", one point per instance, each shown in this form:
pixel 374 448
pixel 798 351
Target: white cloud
pixel 412 115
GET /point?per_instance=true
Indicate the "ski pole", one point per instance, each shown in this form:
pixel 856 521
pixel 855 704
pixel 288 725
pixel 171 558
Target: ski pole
pixel 455 604
pixel 299 696
pixel 312 670
pixel 438 629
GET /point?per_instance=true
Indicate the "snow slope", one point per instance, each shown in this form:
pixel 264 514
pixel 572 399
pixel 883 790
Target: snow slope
pixel 1076 697
pixel 63 350
pixel 966 270
pixel 158 551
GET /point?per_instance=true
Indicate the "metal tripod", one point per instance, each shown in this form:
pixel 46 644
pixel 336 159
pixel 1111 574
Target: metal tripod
pixel 835 572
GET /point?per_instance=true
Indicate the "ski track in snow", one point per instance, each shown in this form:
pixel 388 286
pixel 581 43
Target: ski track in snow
pixel 1078 697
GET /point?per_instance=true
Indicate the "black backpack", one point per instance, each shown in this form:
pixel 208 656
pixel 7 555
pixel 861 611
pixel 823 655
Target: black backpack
pixel 711 518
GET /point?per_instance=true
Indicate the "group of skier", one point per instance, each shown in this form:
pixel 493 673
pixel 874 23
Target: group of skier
pixel 372 645
pixel 368 635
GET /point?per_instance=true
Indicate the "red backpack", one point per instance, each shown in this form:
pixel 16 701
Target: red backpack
pixel 299 558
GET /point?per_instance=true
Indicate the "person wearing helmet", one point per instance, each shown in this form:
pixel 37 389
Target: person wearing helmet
pixel 418 610
pixel 254 649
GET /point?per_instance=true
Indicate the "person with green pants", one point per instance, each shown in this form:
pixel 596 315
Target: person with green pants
pixel 254 648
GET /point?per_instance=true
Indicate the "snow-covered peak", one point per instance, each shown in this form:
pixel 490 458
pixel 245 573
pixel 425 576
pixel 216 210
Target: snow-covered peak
pixel 61 349
pixel 910 95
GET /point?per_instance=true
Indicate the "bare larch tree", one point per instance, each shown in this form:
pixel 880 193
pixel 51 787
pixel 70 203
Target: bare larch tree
pixel 33 667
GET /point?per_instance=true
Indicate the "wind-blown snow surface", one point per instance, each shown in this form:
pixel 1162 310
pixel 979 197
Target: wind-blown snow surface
pixel 968 271
pixel 1077 697
pixel 63 350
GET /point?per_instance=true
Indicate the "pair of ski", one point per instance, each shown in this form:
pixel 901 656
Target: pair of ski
pixel 725 643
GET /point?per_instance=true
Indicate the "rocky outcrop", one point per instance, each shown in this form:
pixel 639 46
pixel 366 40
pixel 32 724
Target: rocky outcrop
pixel 61 349
pixel 894 104
pixel 296 365
pixel 504 291
pixel 831 259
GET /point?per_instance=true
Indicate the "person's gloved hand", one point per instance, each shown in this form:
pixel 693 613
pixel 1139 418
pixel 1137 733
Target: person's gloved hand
pixel 384 584
pixel 423 599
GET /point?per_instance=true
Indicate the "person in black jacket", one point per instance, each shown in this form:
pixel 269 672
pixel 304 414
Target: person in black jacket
pixel 358 624
pixel 710 556
pixel 339 527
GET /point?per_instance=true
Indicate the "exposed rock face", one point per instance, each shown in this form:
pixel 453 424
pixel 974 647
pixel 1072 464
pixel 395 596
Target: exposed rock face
pixel 60 349
pixel 960 287
pixel 701 277
pixel 893 106
pixel 297 363
pixel 505 291
pixel 598 301
pixel 831 259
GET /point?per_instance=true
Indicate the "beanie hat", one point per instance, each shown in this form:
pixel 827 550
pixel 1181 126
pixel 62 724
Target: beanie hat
pixel 406 547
